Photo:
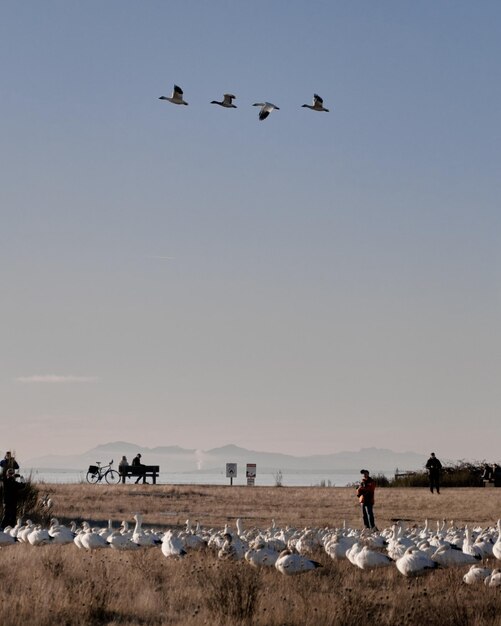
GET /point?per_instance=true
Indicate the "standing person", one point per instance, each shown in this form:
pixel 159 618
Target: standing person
pixel 434 467
pixel 365 493
pixel 8 462
pixel 123 466
pixel 136 462
pixel 11 489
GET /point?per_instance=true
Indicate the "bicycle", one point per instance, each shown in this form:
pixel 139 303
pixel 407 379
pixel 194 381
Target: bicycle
pixel 96 473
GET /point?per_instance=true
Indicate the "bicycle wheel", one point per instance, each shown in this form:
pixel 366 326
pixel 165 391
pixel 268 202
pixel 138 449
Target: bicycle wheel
pixel 112 477
pixel 92 477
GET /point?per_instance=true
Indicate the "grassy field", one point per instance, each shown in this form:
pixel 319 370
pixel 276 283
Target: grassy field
pixel 65 585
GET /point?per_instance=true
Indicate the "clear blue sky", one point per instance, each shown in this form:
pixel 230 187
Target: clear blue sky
pixel 335 278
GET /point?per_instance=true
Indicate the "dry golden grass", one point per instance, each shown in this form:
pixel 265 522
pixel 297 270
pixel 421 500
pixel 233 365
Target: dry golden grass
pixel 63 585
pixel 168 505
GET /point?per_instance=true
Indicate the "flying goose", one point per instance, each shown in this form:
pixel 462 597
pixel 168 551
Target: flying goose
pixel 318 104
pixel 266 109
pixel 177 96
pixel 226 102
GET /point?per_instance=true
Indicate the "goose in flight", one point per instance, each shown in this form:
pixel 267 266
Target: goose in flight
pixel 318 104
pixel 266 109
pixel 176 97
pixel 226 102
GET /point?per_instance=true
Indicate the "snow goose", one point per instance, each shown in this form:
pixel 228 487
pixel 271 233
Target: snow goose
pixel 289 563
pixel 172 545
pixel 494 579
pixel 118 541
pixel 142 538
pixel 176 97
pixel 60 534
pixel 24 531
pixel 92 541
pixel 371 559
pixel 39 536
pixel 259 555
pixel 449 556
pixel 226 102
pixel 476 574
pixel 496 548
pixel 228 551
pixel 6 539
pixel 266 109
pixel 318 104
pixel 415 562
pixel 338 546
pixel 469 547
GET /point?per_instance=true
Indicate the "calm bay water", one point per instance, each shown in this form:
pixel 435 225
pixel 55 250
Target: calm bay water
pixel 290 478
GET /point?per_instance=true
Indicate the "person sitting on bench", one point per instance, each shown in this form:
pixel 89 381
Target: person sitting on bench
pixel 136 462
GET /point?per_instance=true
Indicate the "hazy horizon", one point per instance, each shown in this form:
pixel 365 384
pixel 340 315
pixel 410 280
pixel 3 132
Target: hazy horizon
pixel 311 283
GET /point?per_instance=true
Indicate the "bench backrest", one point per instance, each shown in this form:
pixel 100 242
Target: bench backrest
pixel 140 469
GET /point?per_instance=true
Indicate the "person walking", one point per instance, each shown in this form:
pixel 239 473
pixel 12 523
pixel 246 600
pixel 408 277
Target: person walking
pixel 365 493
pixel 434 468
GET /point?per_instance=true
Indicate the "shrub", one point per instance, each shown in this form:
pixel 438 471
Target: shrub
pixel 232 590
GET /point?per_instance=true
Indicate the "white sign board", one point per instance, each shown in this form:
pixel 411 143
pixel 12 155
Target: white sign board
pixel 231 470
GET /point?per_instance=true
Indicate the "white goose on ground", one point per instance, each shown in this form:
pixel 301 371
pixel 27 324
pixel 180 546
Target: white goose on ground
pixel 338 546
pixel 118 541
pixel 259 555
pixel 92 541
pixel 61 534
pixel 39 536
pixel 176 97
pixel 449 556
pixel 415 562
pixel 476 574
pixel 371 559
pixel 289 563
pixel 317 105
pixel 494 579
pixel 140 537
pixel 226 102
pixel 496 548
pixel 6 539
pixel 172 545
pixel 266 109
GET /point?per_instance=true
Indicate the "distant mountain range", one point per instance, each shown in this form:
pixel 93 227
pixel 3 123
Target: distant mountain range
pixel 176 459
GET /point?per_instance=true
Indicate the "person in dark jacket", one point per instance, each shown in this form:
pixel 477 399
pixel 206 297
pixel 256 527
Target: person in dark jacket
pixel 434 468
pixel 8 462
pixel 365 493
pixel 136 462
pixel 10 492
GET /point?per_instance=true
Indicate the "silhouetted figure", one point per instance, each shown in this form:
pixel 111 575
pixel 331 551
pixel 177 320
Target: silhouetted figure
pixel 434 468
pixel 123 466
pixel 365 493
pixel 10 492
pixel 136 462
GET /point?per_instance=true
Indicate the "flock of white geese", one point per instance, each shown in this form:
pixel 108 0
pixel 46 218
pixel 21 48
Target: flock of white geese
pixel 413 551
pixel 177 97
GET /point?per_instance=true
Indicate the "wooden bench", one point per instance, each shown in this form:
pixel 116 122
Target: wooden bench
pixel 148 471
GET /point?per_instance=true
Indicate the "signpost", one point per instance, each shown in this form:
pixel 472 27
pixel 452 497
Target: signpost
pixel 231 471
pixel 251 474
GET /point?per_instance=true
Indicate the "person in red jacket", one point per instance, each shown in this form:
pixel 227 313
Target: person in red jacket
pixel 365 493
